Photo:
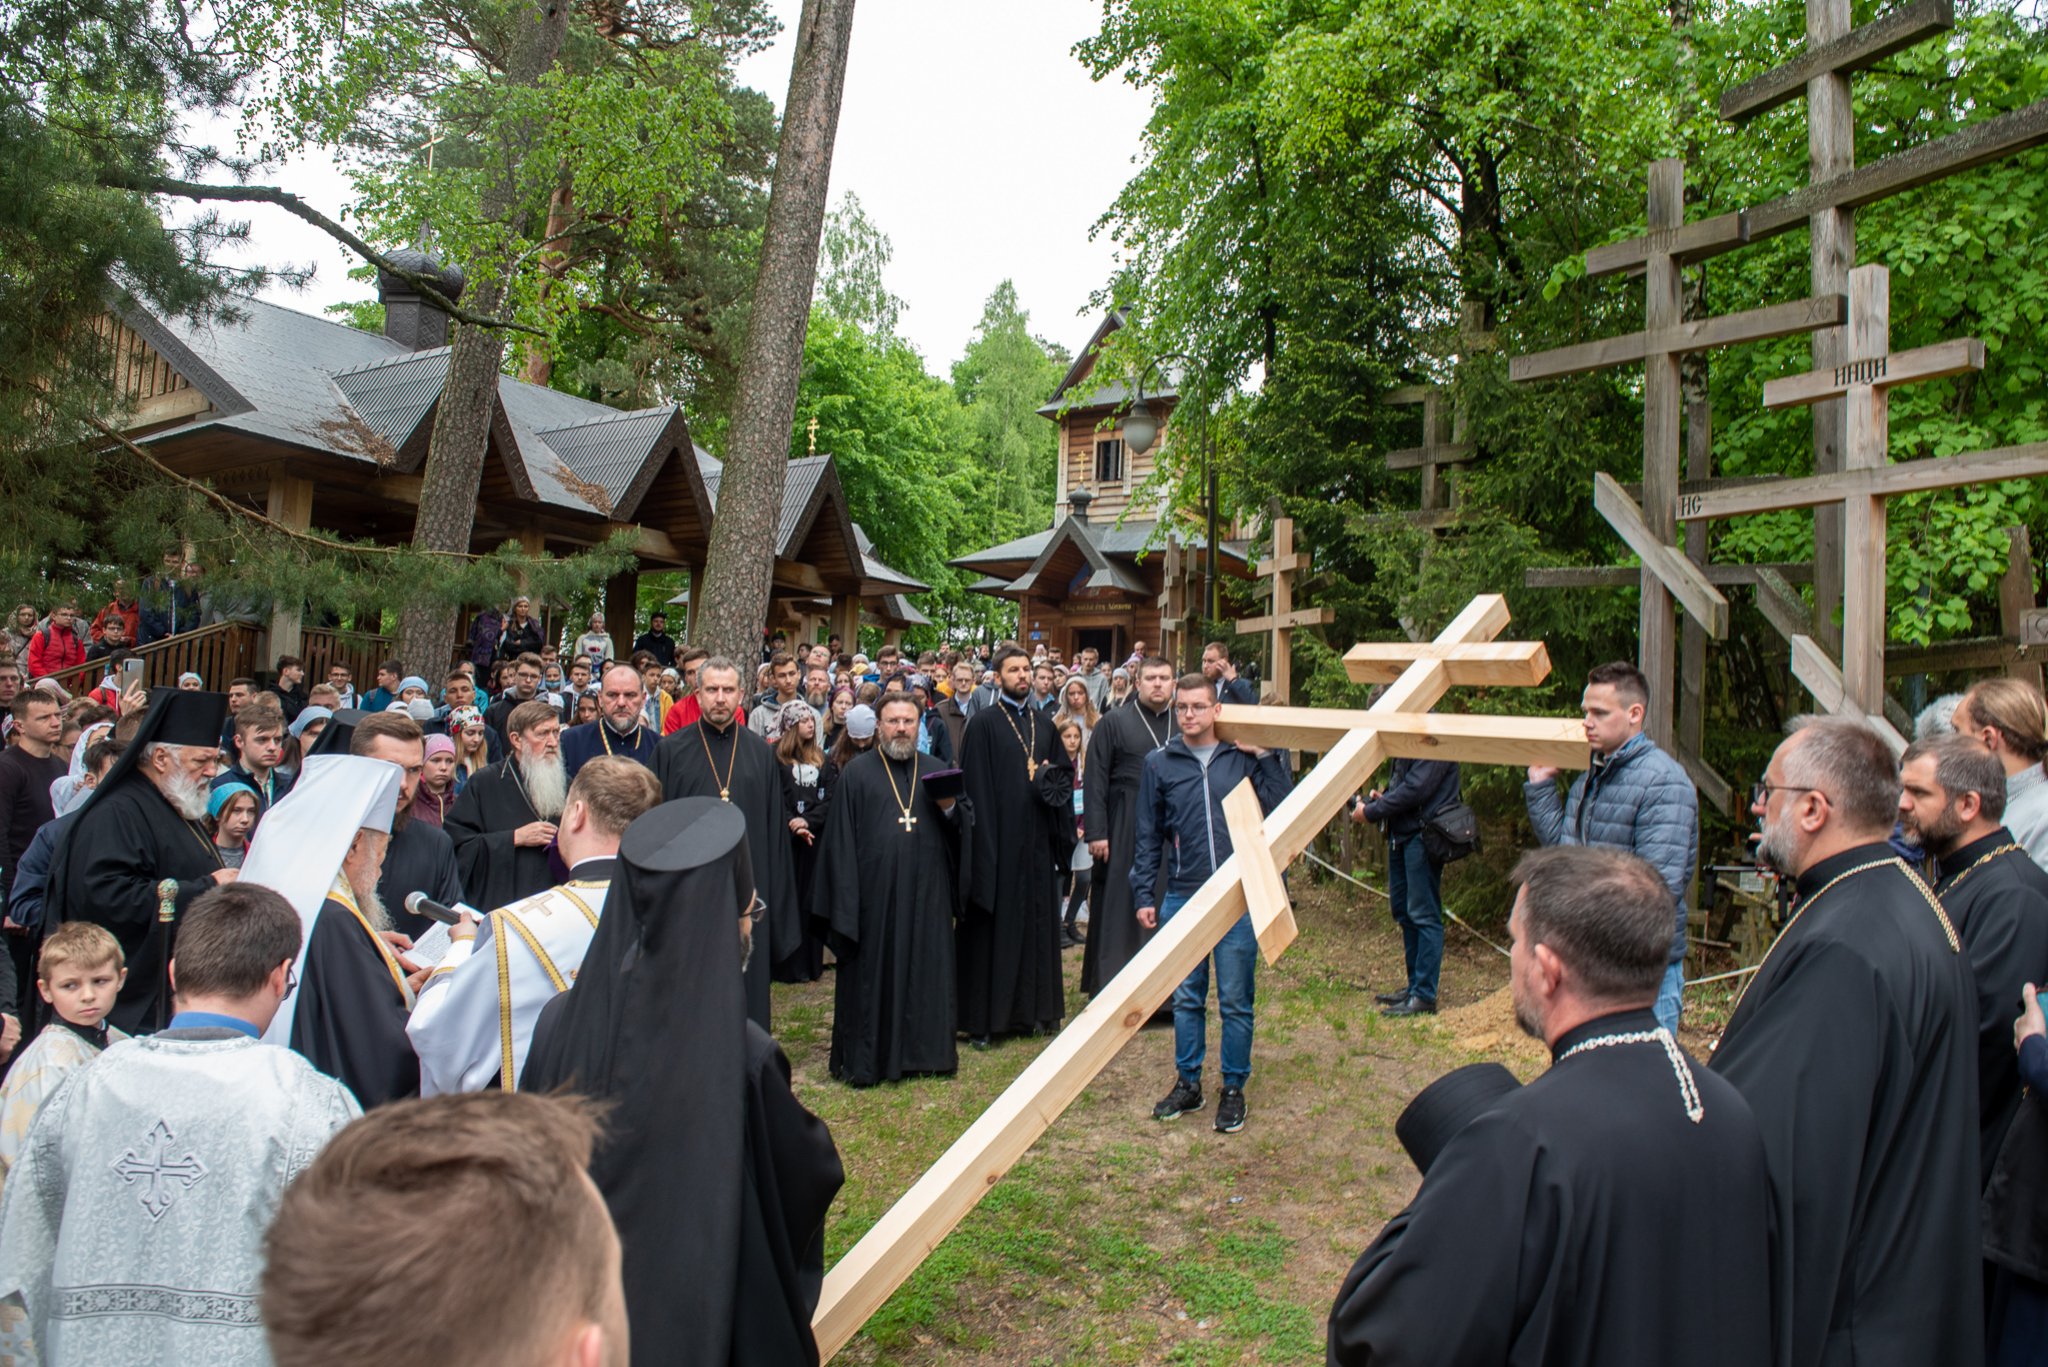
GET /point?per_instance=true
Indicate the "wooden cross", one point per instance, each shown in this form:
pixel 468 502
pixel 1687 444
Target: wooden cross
pixel 1862 383
pixel 1353 745
pixel 1651 530
pixel 1281 567
pixel 1440 452
pixel 1173 603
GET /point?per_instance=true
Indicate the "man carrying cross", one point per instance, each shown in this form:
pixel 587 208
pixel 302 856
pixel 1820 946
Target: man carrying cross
pixel 888 885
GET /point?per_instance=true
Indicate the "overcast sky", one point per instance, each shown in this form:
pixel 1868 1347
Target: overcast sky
pixel 973 137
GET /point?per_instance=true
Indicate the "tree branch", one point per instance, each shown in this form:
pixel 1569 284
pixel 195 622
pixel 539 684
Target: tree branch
pixel 293 204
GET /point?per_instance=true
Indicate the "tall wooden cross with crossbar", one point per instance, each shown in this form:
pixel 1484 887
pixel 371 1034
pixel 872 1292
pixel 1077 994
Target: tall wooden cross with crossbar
pixel 1353 744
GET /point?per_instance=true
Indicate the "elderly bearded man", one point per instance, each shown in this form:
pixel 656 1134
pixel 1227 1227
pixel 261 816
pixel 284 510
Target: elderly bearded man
pixel 141 828
pixel 504 821
pixel 323 849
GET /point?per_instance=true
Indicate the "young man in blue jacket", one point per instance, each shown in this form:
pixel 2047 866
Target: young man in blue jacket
pixel 1634 797
pixel 1180 819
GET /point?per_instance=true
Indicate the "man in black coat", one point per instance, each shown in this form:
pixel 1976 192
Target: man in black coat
pixel 1109 813
pixel 1558 1226
pixel 1995 895
pixel 1417 791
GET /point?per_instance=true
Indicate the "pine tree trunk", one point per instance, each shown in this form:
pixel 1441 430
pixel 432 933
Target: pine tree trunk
pixel 739 567
pixel 462 422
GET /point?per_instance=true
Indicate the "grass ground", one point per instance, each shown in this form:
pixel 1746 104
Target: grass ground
pixel 1121 1240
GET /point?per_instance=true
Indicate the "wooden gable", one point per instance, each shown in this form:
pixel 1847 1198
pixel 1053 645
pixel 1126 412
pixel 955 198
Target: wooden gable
pixel 158 393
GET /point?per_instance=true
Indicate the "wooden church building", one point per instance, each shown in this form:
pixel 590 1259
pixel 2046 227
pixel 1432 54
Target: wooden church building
pixel 1098 577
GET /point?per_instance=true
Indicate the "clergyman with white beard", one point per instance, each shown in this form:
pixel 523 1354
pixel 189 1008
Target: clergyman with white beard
pixel 503 824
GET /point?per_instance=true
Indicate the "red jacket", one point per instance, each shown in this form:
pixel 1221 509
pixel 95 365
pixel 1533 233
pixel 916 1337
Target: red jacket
pixel 53 650
pixel 132 612
pixel 689 711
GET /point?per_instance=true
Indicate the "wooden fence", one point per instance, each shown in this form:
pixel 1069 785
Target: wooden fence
pixel 226 650
pixel 362 652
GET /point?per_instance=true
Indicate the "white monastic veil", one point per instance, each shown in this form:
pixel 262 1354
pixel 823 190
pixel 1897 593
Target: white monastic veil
pixel 300 843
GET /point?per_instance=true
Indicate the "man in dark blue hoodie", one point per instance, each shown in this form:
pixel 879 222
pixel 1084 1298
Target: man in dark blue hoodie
pixel 1418 790
pixel 1180 819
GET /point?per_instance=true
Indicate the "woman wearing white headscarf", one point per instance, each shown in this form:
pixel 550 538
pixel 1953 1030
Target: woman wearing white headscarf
pixel 70 790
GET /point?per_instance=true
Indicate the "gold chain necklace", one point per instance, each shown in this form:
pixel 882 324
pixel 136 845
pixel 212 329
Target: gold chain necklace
pixel 1029 748
pixel 906 821
pixel 1976 863
pixel 1947 928
pixel 604 734
pixel 724 787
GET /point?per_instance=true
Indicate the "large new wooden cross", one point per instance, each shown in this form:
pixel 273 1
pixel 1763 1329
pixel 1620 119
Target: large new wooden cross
pixel 1862 382
pixel 1282 617
pixel 1353 745
pixel 1651 530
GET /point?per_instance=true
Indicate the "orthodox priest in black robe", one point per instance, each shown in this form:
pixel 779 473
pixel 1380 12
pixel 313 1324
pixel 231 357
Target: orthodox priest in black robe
pixel 1007 947
pixel 503 823
pixel 888 883
pixel 141 827
pixel 1565 1223
pixel 717 757
pixel 619 730
pixel 1855 1046
pixel 1996 897
pixel 717 1179
pixel 1109 816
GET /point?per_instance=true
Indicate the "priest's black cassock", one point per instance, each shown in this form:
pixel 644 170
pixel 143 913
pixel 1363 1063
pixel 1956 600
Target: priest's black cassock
pixel 1007 947
pixel 420 858
pixel 1109 811
pixel 890 893
pixel 1997 898
pixel 737 766
pixel 594 739
pixel 1567 1226
pixel 350 1021
pixel 717 1178
pixel 125 841
pixel 1856 1047
pixel 491 807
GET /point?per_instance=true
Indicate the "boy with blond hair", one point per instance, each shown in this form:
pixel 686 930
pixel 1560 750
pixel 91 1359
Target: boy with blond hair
pixel 79 973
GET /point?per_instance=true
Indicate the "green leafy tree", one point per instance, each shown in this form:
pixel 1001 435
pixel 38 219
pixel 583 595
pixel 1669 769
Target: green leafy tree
pixel 1003 378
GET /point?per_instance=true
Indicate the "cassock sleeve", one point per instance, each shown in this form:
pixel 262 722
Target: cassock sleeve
pixel 119 886
pixel 1095 781
pixel 476 849
pixel 33 1206
pixel 836 889
pixel 1992 944
pixel 828 787
pixel 1812 1106
pixel 1442 1283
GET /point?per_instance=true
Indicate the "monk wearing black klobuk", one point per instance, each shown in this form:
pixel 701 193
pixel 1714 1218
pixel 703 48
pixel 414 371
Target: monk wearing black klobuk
pixel 888 885
pixel 717 1179
pixel 1019 789
pixel 1856 1046
pixel 1567 1223
pixel 140 828
pixel 717 757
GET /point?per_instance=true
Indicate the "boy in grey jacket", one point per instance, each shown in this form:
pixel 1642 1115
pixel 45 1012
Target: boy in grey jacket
pixel 1634 798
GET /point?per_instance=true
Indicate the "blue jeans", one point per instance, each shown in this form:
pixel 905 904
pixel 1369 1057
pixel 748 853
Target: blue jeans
pixel 1237 957
pixel 1670 1001
pixel 1414 884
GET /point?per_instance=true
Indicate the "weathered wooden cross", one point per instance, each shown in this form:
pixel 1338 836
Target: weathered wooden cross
pixel 1353 745
pixel 1174 625
pixel 1443 451
pixel 1282 617
pixel 1862 383
pixel 1651 530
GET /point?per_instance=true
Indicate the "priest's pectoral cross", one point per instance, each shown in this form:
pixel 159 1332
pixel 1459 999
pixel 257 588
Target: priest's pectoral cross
pixel 1031 768
pixel 725 794
pixel 907 822
pixel 161 1175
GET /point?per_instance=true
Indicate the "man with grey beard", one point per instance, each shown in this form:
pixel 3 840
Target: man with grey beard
pixel 889 886
pixel 138 831
pixel 322 848
pixel 503 824
pixel 1855 1046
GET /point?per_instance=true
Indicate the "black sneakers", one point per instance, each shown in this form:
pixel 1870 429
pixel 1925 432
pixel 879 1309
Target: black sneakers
pixel 1230 1111
pixel 1185 1096
pixel 1394 998
pixel 1411 1005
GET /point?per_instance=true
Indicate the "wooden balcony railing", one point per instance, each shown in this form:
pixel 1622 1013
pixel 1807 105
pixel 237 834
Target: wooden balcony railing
pixel 362 652
pixel 223 651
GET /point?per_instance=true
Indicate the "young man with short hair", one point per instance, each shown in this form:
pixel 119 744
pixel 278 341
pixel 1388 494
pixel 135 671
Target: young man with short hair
pixel 1222 675
pixel 136 1211
pixel 656 641
pixel 1632 797
pixel 258 731
pixel 58 646
pixel 386 691
pixel 1180 807
pixel 341 679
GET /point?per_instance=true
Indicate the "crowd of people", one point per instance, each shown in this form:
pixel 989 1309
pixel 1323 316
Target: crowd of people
pixel 272 927
pixel 335 992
